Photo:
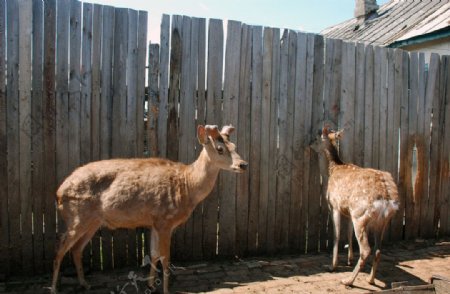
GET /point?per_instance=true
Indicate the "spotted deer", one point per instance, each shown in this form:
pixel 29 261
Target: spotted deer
pixel 369 197
pixel 130 193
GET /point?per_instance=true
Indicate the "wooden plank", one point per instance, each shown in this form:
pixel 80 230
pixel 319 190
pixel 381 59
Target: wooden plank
pixel 106 102
pixel 383 128
pixel 445 152
pixel 37 137
pixel 297 238
pixel 307 152
pixel 106 97
pixel 131 84
pixel 358 150
pixel 284 154
pixel 131 114
pixel 434 111
pixel 421 184
pixel 368 106
pixel 74 127
pixel 163 86
pixel 227 209
pixel 200 89
pixel 255 139
pixel 173 118
pixel 213 116
pixel 392 127
pixel 263 237
pixel 314 209
pixel 49 124
pixel 96 115
pixel 13 132
pixel 119 114
pixel 377 76
pixel 25 83
pixel 174 93
pixel 4 228
pixel 243 141
pixel 273 138
pixel 347 119
pixel 140 81
pixel 400 122
pixel 153 103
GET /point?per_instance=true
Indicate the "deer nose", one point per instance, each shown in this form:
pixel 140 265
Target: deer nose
pixel 243 165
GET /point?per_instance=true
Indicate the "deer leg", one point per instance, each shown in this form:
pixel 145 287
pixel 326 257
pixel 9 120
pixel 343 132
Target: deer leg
pixel 337 233
pixel 68 239
pixel 350 242
pixel 164 247
pixel 377 256
pixel 154 255
pixel 364 249
pixel 77 253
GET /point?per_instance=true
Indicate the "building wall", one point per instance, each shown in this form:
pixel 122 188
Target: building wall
pixel 440 46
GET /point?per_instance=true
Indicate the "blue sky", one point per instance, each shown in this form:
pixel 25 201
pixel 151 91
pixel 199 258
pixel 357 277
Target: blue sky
pixel 304 15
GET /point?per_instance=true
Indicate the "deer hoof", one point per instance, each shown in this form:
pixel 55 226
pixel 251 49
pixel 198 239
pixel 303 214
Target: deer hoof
pixel 371 281
pixel 86 286
pixel 346 282
pixel 329 268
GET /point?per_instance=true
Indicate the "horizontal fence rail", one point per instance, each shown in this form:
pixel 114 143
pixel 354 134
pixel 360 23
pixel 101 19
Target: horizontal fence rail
pixel 73 90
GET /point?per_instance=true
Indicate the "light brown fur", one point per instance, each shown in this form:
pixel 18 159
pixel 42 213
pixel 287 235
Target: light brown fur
pixel 130 193
pixel 367 196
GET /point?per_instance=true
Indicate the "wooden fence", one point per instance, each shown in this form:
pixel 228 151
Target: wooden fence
pixel 74 92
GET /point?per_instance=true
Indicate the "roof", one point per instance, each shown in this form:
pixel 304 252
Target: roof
pixel 396 22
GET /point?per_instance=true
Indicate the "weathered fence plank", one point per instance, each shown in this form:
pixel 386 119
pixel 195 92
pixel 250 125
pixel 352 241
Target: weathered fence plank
pixel 4 220
pixel 153 103
pixel 37 136
pixel 140 81
pixel 383 115
pixel 227 198
pixel 243 141
pixel 49 124
pixel 368 106
pixel 298 210
pixel 255 139
pixel 163 86
pixel 358 151
pixel 213 116
pixel 377 74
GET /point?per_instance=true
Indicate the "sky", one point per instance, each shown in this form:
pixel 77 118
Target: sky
pixel 303 15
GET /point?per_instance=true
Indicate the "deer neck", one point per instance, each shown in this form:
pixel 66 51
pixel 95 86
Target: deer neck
pixel 201 177
pixel 332 156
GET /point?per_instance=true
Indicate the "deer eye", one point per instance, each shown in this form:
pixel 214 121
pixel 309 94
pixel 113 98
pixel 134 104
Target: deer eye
pixel 219 150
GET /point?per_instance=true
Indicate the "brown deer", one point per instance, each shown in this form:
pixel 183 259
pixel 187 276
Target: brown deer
pixel 130 193
pixel 367 196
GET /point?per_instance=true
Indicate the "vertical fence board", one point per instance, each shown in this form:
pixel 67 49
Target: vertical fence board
pixel 96 115
pixel 153 103
pixel 106 105
pixel 243 141
pixel 401 123
pixel 347 120
pixel 377 76
pixel 37 137
pixel 119 117
pixel 430 221
pixel 163 85
pixel 358 154
pixel 421 184
pixel 13 131
pixel 4 227
pixel 49 124
pixel 25 134
pixel 74 127
pixel 140 81
pixel 255 139
pixel 445 153
pixel 368 106
pixel 213 116
pixel 298 209
pixel 227 199
pixel 391 127
pixel 383 116
pixel 265 132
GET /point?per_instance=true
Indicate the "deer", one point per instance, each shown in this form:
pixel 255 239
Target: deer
pixel 368 197
pixel 148 192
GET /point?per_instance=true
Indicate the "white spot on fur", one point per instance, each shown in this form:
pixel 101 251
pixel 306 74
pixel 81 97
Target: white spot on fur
pixel 385 208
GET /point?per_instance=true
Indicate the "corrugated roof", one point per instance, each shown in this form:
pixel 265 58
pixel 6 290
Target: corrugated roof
pixel 395 21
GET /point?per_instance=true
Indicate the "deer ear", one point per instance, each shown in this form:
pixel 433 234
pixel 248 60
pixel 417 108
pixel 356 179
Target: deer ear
pixel 227 130
pixel 325 131
pixel 201 135
pixel 212 131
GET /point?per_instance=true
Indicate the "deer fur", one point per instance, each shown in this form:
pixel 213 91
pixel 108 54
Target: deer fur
pixel 130 193
pixel 369 197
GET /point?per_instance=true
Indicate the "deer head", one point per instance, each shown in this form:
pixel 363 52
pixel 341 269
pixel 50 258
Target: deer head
pixel 221 151
pixel 324 136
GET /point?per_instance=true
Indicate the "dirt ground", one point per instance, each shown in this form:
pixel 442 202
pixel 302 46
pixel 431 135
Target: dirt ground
pixel 414 262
